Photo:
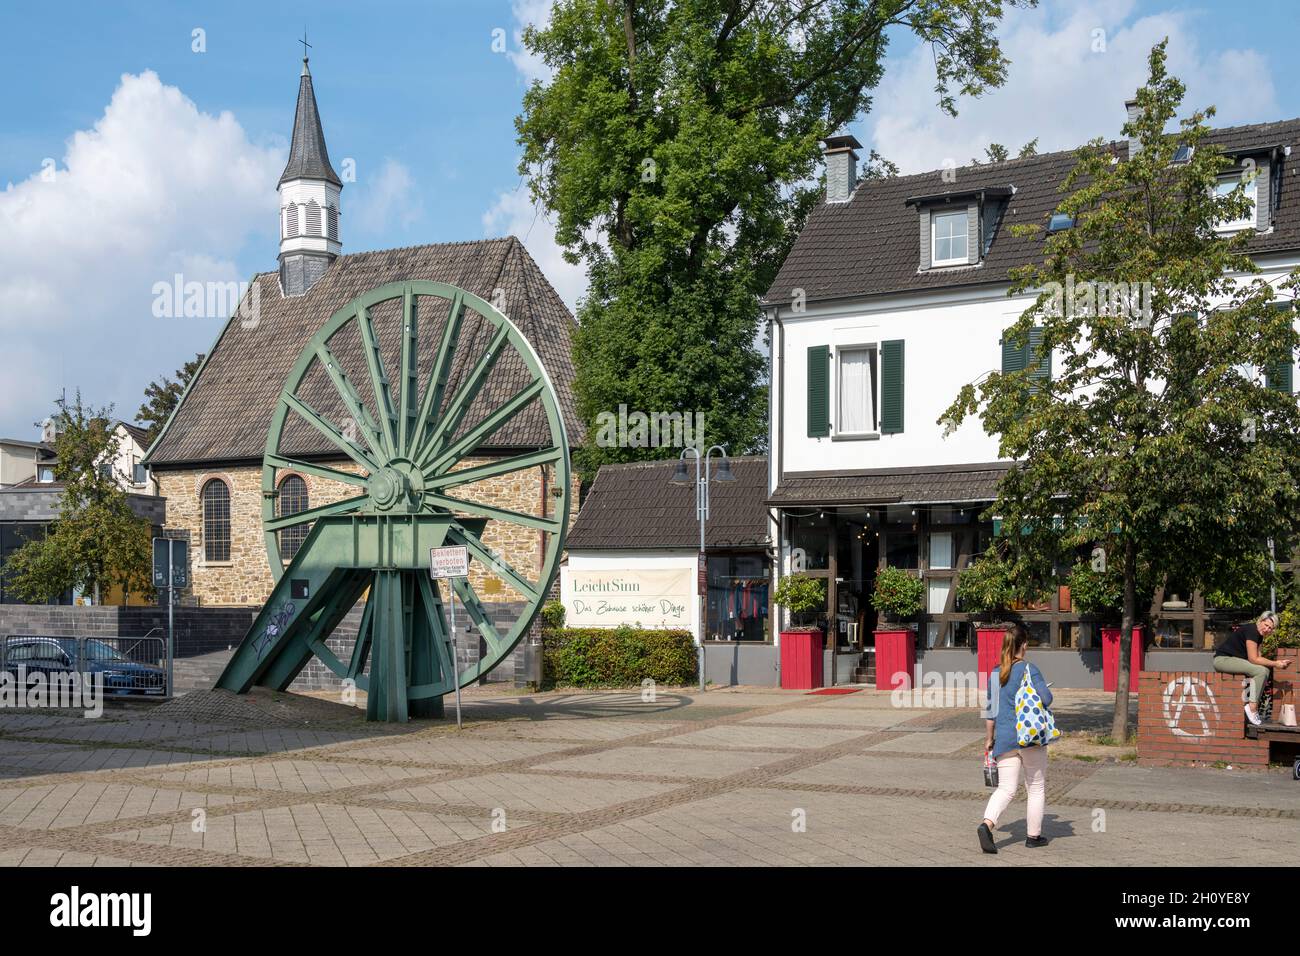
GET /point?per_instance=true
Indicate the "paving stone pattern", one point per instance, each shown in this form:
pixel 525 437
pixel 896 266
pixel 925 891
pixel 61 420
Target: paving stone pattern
pixel 729 777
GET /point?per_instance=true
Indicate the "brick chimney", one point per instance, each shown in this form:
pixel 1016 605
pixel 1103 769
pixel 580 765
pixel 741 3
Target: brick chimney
pixel 841 167
pixel 1134 114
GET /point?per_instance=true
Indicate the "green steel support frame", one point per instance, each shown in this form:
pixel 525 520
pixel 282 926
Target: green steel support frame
pixel 375 542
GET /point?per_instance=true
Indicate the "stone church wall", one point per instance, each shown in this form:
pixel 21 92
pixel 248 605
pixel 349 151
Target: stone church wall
pixel 245 580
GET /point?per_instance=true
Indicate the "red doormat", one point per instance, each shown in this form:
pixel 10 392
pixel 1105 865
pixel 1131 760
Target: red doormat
pixel 836 690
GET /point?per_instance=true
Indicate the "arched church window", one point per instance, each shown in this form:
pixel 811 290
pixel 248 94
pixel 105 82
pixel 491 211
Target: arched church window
pixel 291 220
pixel 216 520
pixel 291 500
pixel 313 219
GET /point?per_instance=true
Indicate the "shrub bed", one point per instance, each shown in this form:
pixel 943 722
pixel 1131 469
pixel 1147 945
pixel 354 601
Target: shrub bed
pixel 616 657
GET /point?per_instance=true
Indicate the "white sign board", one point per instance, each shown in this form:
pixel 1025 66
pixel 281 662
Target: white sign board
pixel 449 562
pixel 651 598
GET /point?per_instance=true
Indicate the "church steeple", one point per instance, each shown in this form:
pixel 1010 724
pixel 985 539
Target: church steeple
pixel 309 197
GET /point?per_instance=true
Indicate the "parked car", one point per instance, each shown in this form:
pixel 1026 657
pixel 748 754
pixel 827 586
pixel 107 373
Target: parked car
pixel 55 655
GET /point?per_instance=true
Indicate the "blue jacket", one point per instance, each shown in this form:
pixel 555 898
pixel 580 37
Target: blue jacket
pixel 1002 700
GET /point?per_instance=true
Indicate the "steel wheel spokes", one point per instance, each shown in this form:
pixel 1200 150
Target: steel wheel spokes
pixel 409 443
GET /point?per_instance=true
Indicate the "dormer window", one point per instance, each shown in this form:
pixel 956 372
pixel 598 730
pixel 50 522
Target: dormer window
pixel 1183 154
pixel 949 234
pixel 1224 187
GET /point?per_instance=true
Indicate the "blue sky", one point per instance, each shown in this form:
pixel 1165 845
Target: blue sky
pixel 165 160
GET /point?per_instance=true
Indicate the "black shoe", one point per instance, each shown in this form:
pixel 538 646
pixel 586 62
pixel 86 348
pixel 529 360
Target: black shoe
pixel 986 839
pixel 1036 841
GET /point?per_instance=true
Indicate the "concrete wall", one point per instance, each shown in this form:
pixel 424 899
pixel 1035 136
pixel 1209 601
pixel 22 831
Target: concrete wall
pixel 739 662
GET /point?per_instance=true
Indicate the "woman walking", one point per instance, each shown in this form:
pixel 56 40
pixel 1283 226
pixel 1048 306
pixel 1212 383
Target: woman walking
pixel 1001 742
pixel 1239 654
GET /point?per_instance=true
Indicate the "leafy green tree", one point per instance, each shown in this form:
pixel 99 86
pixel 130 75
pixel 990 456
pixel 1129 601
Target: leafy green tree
pixel 162 397
pixel 676 147
pixel 97 541
pixel 1155 441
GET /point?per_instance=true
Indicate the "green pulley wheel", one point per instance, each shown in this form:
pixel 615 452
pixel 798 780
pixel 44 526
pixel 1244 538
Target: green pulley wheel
pixel 416 478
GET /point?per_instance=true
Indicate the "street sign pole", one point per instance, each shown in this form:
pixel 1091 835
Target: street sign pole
pixel 446 564
pixel 171 573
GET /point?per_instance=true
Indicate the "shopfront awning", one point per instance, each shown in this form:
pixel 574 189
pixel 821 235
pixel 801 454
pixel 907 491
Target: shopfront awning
pixel 932 485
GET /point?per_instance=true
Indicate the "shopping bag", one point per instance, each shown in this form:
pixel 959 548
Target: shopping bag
pixel 990 770
pixel 1288 715
pixel 1034 722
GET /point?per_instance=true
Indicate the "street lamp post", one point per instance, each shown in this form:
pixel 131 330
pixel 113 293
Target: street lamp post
pixel 702 512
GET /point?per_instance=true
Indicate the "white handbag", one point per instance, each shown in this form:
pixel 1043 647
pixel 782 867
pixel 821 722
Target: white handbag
pixel 1288 715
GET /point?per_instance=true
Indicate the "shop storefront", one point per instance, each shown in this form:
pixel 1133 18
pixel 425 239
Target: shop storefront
pixel 633 558
pixel 845 543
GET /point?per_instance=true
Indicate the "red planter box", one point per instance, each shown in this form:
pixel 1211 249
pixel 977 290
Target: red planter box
pixel 1110 659
pixel 989 651
pixel 895 659
pixel 801 660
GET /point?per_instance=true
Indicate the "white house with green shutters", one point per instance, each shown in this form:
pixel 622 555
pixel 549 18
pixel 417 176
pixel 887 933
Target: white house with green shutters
pixel 894 296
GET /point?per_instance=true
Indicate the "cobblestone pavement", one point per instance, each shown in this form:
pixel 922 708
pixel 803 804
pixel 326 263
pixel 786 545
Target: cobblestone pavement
pixel 732 776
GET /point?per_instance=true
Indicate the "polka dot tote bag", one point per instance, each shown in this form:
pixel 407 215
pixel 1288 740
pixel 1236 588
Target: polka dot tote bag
pixel 1034 722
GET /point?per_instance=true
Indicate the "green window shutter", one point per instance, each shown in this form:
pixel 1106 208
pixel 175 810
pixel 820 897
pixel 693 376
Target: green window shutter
pixel 819 391
pixel 891 387
pixel 1043 371
pixel 1013 359
pixel 1278 375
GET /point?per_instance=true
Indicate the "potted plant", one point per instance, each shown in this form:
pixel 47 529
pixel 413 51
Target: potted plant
pixel 801 643
pixel 899 596
pixel 987 589
pixel 1101 593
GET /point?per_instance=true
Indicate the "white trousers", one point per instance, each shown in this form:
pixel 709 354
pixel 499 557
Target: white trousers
pixel 1034 760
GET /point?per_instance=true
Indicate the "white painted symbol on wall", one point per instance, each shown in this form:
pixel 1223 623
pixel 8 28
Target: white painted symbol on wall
pixel 1190 694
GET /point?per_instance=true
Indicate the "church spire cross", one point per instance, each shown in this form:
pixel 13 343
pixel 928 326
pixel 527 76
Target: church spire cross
pixel 305 47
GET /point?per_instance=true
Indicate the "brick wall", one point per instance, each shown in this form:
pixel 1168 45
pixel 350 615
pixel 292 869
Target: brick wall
pixel 1195 718
pixel 199 630
pixel 245 579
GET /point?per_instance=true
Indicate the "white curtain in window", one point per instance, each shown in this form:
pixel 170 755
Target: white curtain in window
pixel 856 391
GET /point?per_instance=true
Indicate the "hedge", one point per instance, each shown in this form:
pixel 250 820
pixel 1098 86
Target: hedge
pixel 616 657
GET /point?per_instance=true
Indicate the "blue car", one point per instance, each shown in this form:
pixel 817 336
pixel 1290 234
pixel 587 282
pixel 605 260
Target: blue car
pixel 55 655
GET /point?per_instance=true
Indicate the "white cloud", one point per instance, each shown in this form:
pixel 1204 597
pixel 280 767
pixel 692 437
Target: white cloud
pixel 514 214
pixel 388 200
pixel 156 187
pixel 1061 89
pixel 528 13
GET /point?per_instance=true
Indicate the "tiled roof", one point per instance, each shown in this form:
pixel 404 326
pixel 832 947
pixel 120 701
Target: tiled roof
pixel 135 431
pixel 639 507
pixel 870 244
pixel 931 485
pixel 308 157
pixel 226 414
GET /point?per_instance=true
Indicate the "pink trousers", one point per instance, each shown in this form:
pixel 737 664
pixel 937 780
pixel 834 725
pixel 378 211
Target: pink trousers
pixel 1034 760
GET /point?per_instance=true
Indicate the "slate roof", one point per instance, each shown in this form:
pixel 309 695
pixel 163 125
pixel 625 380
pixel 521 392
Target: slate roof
pixel 870 244
pixel 637 507
pixel 136 432
pixel 308 157
pixel 226 413
pixel 930 485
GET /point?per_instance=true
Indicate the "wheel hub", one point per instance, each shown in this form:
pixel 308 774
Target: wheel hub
pixel 398 486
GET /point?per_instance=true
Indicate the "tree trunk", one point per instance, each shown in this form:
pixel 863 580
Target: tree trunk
pixel 1119 725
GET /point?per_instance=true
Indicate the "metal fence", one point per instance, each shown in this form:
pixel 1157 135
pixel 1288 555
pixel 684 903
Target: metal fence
pixel 128 666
